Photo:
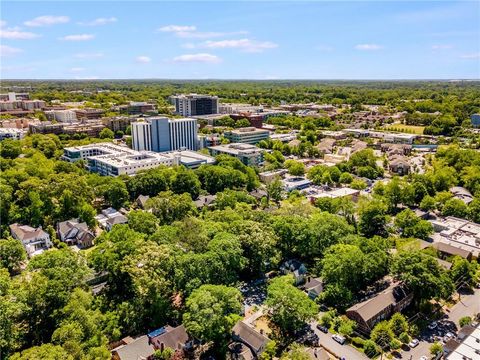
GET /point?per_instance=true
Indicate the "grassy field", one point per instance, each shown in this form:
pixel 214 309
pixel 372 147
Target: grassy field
pixel 409 129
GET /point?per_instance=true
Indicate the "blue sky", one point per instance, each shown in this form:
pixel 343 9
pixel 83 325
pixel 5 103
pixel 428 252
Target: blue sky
pixel 240 40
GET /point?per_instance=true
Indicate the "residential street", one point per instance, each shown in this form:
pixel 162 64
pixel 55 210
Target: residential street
pixel 345 351
pixel 469 305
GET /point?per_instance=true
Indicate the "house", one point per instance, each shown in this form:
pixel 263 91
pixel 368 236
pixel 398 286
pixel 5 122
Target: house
pixel 72 232
pixel 35 241
pixel 326 145
pixel 294 143
pixel 239 351
pixel 313 287
pixel 141 200
pixel 134 349
pixel 205 200
pixel 396 149
pixel 380 307
pixel 258 194
pixel 247 335
pixel 358 145
pixel 110 217
pixel 399 165
pixel 462 194
pixel 175 338
pixel 296 268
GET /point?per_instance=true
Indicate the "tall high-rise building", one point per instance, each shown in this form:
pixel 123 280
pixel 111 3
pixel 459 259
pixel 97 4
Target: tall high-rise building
pixel 141 136
pixel 161 134
pixel 193 104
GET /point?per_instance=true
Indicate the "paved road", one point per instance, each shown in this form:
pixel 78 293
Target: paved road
pixel 469 305
pixel 348 352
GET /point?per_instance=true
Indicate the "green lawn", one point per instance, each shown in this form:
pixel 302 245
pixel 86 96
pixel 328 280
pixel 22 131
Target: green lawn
pixel 409 129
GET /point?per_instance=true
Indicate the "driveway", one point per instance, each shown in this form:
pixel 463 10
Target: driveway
pixel 345 351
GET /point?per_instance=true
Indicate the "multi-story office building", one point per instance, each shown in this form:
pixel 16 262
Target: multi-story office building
pixel 248 135
pixel 113 160
pixel 246 153
pixel 193 104
pixel 165 134
pixel 141 136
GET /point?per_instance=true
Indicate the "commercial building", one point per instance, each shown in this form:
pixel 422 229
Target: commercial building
pixel 113 160
pixel 136 108
pixel 141 136
pixel 11 133
pixel 246 153
pixel 89 114
pixel 12 96
pixel 205 141
pixel 194 104
pixel 119 123
pixel 163 134
pixel 248 135
pixel 466 346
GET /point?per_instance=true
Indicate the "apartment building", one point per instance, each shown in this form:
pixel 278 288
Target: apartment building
pixel 68 116
pixel 194 104
pixel 161 134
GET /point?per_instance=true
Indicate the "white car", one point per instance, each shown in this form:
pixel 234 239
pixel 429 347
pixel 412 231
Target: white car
pixel 413 343
pixel 338 338
pixel 423 358
pixel 448 336
pixel 433 325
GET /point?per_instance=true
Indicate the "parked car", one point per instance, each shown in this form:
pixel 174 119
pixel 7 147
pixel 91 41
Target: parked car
pixel 413 343
pixel 423 358
pixel 338 338
pixel 432 325
pixel 448 336
pixel 322 328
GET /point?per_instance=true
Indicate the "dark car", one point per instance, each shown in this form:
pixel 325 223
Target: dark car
pixel 322 328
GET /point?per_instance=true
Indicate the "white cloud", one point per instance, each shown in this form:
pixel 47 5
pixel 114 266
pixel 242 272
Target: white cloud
pixel 92 77
pixel 177 28
pixel 6 50
pixel 16 34
pixel 99 21
pixel 202 57
pixel 78 37
pixel 77 69
pixel 246 45
pixel 325 48
pixel 47 20
pixel 143 59
pixel 471 56
pixel 190 32
pixel 88 55
pixel 368 47
pixel 442 47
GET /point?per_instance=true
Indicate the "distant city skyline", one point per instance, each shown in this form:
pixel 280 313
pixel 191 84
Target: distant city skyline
pixel 240 40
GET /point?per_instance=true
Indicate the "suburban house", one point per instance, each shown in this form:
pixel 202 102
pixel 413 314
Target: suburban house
pixel 72 232
pixel 399 164
pixel 141 200
pixel 313 287
pixel 295 268
pixel 35 241
pixel 110 217
pixel 134 349
pixel 143 347
pixel 462 194
pixel 254 341
pixel 205 201
pixel 380 307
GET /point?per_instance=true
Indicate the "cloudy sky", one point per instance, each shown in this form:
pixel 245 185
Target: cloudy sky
pixel 240 40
